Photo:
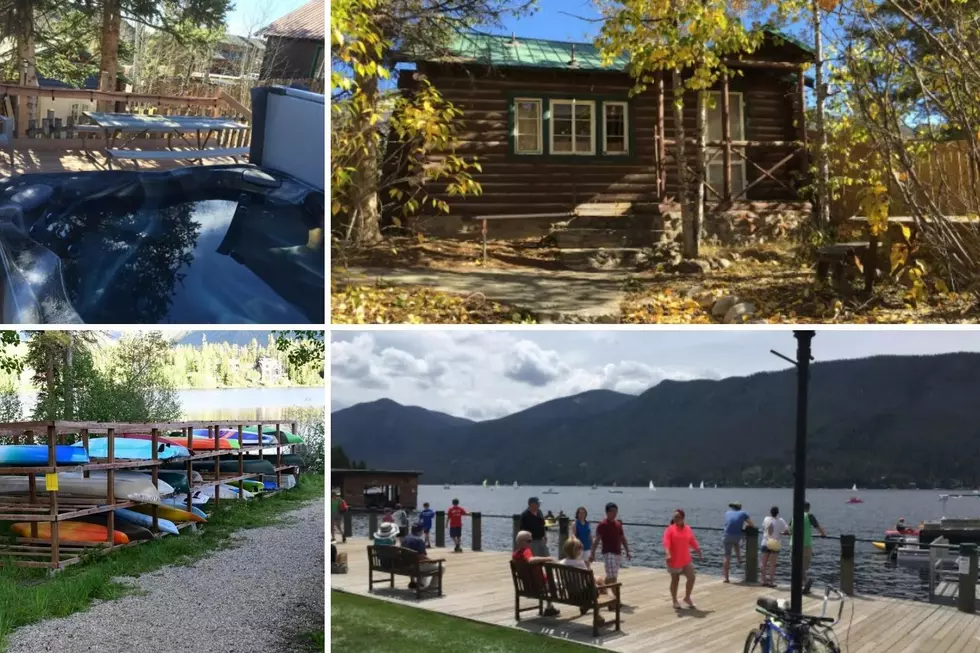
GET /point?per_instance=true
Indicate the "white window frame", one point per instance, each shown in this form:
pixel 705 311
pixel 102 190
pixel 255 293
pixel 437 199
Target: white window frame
pixel 626 129
pixel 551 130
pixel 517 128
pixel 737 161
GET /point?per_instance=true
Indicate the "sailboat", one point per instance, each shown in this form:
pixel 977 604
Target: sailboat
pixel 446 486
pixel 515 485
pixel 690 486
pixel 702 485
pixel 595 487
pixel 716 486
pixel 496 483
pixel 854 488
pixel 653 488
pixel 484 482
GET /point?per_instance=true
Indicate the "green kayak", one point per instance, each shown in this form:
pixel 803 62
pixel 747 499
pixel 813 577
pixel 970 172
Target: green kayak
pixel 227 466
pixel 253 486
pixel 287 459
pixel 285 437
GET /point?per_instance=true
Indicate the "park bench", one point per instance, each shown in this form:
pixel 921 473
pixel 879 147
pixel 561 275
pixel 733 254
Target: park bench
pixel 565 585
pixel 837 260
pixel 398 561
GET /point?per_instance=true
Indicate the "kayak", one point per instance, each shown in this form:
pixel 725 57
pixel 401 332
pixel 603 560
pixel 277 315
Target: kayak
pixel 879 545
pixel 133 489
pixel 133 448
pixel 227 466
pixel 71 531
pixel 248 437
pixel 132 531
pixel 172 513
pixel 176 480
pixel 36 455
pixel 162 486
pixel 286 437
pixel 146 521
pixel 251 486
pixel 550 524
pixel 183 506
pixel 287 459
pixel 227 492
pixel 197 444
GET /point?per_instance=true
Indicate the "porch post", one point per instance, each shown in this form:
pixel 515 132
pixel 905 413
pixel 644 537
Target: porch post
pixel 661 135
pixel 801 128
pixel 726 136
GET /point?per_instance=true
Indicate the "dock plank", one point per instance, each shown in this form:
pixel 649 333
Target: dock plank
pixel 478 586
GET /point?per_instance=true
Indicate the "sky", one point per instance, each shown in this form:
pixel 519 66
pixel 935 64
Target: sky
pixel 248 16
pixel 488 374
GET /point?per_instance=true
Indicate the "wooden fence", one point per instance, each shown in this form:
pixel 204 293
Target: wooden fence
pixel 945 171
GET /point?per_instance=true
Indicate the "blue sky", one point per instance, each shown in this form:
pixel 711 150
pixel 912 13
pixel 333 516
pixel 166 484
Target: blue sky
pixel 250 15
pixel 486 374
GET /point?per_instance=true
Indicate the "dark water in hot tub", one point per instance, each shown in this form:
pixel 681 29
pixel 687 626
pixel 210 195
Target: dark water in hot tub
pixel 187 253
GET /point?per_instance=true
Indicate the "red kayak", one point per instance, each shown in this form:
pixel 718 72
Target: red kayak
pixel 855 500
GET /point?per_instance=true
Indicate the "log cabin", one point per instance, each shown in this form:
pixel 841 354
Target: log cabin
pixel 560 135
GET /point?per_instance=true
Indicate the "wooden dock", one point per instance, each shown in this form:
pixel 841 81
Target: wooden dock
pixel 478 586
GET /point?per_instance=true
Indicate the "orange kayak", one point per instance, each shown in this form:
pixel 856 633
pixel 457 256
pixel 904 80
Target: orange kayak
pixel 197 444
pixel 74 531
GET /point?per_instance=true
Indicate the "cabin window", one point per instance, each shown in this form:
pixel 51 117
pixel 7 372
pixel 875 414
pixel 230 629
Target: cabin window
pixel 527 126
pixel 573 127
pixel 716 157
pixel 615 128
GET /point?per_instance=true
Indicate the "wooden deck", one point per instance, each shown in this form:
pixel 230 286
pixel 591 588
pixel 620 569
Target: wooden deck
pixel 478 586
pixel 45 158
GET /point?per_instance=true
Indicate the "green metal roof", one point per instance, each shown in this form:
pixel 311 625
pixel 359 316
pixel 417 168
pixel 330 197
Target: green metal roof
pixel 518 52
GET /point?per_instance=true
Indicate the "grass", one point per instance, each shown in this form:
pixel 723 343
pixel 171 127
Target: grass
pixel 29 595
pixel 314 641
pixel 372 626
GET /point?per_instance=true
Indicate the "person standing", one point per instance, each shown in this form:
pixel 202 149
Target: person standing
pixel 426 517
pixel 773 529
pixel 455 514
pixel 609 533
pixel 736 520
pixel 679 541
pixel 583 531
pixel 532 521
pixel 400 517
pixel 809 523
pixel 337 507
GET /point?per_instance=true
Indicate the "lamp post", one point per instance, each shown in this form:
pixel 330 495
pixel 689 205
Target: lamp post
pixel 802 364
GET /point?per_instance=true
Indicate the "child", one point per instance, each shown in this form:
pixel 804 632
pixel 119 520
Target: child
pixel 455 514
pixel 426 517
pixel 610 535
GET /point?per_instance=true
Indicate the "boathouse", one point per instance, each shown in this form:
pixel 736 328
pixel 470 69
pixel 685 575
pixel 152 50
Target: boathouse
pixel 366 489
pixel 557 132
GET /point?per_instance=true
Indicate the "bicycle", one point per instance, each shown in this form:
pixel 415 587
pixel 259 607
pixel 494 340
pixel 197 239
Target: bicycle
pixel 783 631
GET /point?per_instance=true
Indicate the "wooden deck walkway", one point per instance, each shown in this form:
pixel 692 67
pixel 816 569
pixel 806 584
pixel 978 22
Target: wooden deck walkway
pixel 45 158
pixel 478 586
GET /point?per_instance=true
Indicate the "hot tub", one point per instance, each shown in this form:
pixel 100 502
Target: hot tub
pixel 194 245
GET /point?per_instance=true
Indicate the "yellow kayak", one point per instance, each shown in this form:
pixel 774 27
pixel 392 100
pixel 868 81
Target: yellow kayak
pixel 168 512
pixel 879 545
pixel 551 524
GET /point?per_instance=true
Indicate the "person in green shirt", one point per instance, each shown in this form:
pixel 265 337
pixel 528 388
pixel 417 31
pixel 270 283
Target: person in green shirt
pixel 809 523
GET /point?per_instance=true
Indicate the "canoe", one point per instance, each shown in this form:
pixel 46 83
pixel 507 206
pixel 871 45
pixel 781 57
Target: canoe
pixel 132 531
pixel 72 531
pixel 172 513
pixel 286 437
pixel 197 444
pixel 146 521
pixel 183 506
pixel 134 489
pixel 134 448
pixel 36 455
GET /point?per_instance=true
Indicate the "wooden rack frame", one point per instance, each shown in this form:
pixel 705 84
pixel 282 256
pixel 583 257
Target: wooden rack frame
pixel 54 507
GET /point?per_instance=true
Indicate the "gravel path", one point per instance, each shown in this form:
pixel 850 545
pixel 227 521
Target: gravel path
pixel 220 604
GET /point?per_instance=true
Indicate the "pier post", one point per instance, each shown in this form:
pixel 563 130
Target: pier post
pixel 477 531
pixel 847 564
pixel 562 535
pixel 517 528
pixel 372 524
pixel 440 528
pixel 349 525
pixel 966 600
pixel 751 554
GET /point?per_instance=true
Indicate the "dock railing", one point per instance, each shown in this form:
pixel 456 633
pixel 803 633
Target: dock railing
pixel 964 581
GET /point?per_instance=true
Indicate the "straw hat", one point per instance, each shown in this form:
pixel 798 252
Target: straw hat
pixel 386 531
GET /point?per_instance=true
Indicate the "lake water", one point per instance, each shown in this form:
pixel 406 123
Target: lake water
pixel 875 574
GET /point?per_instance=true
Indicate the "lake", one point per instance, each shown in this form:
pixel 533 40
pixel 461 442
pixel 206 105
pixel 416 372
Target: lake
pixel 875 574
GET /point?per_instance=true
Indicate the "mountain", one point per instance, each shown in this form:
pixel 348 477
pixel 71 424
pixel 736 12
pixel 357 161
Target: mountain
pixel 887 421
pixel 240 338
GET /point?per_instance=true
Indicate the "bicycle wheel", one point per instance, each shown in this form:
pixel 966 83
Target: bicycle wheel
pixel 753 643
pixel 821 642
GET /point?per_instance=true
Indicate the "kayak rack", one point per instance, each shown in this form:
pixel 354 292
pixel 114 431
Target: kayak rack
pixel 46 509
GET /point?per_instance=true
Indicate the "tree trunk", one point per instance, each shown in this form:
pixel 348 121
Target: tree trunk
pixel 365 211
pixel 109 56
pixel 680 158
pixel 69 413
pixel 823 168
pixel 702 169
pixel 26 64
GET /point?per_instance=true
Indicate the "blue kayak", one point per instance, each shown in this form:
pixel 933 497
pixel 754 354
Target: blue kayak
pixel 146 521
pixel 36 455
pixel 134 449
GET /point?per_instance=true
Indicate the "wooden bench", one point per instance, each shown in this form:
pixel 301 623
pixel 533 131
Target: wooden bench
pixel 552 582
pixel 837 259
pixel 398 561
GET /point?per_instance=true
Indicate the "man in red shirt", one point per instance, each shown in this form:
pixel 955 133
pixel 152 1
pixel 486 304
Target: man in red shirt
pixel 610 534
pixel 456 513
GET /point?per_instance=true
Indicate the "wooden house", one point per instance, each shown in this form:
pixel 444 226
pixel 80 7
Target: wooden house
pixel 559 133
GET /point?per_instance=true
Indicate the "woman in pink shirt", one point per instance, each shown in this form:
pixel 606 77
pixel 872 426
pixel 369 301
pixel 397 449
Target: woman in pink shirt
pixel 679 541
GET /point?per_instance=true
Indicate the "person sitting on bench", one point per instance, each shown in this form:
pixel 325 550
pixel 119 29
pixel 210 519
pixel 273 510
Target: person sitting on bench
pixel 523 552
pixel 415 542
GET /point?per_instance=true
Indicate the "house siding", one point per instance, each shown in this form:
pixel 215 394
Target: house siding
pixel 287 58
pixel 520 184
